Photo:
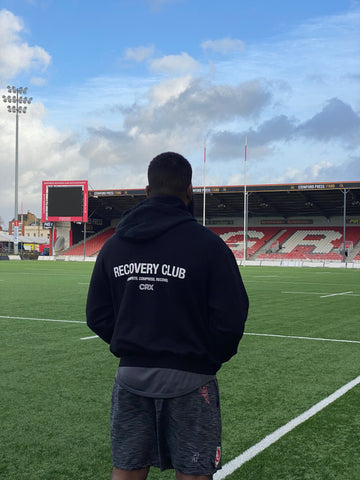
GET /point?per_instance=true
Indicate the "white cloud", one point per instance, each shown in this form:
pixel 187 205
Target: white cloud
pixel 322 171
pixel 38 81
pixel 10 27
pixel 139 54
pixel 175 64
pixel 168 89
pixel 223 45
pixel 15 55
pixel 200 106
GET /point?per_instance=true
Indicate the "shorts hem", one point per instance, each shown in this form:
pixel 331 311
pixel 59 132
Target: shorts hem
pixel 134 468
pixel 195 473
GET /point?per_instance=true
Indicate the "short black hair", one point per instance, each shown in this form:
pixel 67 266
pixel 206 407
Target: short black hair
pixel 169 174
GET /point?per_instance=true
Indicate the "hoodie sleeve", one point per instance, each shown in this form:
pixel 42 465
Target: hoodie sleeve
pixel 99 309
pixel 228 305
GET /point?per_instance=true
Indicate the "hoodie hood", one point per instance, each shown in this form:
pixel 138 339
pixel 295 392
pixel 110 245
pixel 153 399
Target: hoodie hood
pixel 153 217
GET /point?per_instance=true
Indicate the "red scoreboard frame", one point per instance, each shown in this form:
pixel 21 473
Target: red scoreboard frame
pixel 64 183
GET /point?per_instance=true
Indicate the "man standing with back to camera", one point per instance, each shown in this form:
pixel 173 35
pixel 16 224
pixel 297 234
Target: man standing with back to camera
pixel 167 295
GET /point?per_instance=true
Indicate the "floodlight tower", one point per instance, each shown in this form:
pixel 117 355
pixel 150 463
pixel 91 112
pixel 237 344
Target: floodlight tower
pixel 20 102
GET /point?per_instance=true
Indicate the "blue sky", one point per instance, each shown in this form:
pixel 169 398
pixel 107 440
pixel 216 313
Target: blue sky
pixel 114 86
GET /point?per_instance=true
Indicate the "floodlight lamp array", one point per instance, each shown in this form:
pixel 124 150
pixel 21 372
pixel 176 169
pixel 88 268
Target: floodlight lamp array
pixel 17 99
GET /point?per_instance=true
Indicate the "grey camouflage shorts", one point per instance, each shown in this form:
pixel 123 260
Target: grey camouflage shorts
pixel 183 433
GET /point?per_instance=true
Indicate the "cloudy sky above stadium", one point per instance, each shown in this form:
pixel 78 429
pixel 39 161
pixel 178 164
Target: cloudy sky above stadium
pixel 115 83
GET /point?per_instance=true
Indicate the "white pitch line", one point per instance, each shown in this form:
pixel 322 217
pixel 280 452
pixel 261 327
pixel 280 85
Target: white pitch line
pixel 254 334
pixel 299 283
pixel 273 335
pixel 305 293
pixel 335 294
pixel 303 338
pixel 237 462
pixel 49 320
pixel 322 294
pixel 41 319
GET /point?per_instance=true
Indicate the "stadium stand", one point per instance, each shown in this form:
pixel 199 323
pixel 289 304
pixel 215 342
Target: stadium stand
pixel 257 238
pixel 290 221
pixel 266 243
pixel 93 244
pixel 313 243
pixel 293 243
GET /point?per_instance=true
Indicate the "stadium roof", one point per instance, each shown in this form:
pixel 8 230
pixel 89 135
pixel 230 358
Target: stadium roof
pixel 290 200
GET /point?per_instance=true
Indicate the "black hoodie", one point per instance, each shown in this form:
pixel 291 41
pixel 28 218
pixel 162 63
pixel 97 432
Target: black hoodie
pixel 166 291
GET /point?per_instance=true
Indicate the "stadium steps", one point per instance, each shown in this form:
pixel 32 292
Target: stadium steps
pixel 93 244
pixel 305 250
pixel 267 245
pixel 355 252
pixel 234 238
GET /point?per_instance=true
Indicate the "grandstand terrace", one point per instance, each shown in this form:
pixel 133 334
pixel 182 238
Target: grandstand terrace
pixel 284 222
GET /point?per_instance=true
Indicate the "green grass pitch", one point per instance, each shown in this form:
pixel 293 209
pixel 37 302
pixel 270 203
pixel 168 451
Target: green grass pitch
pixel 55 387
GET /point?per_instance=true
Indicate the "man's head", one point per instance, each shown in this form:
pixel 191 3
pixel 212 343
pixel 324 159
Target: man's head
pixel 170 174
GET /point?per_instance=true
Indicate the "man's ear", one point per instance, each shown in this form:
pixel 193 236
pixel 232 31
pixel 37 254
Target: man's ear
pixel 190 199
pixel 189 192
pixel 147 191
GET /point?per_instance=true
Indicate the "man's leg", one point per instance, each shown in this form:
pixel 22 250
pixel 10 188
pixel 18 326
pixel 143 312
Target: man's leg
pixel 133 439
pixel 182 476
pixel 193 429
pixel 119 474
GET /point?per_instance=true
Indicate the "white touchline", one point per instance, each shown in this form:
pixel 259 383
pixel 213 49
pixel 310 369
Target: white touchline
pixel 305 293
pixel 41 319
pixel 303 338
pixel 247 333
pixel 237 462
pixel 300 283
pixel 50 320
pixel 335 294
pixel 324 295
